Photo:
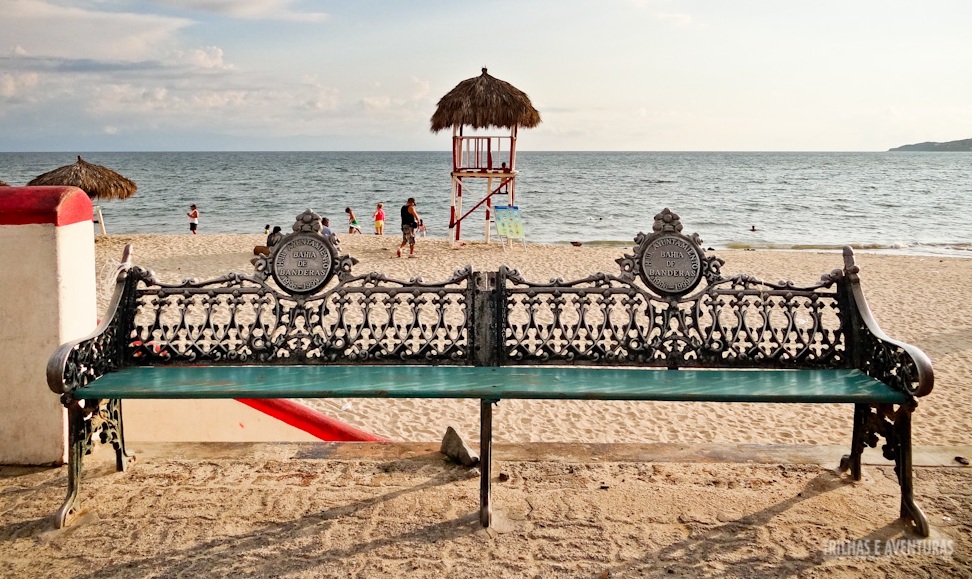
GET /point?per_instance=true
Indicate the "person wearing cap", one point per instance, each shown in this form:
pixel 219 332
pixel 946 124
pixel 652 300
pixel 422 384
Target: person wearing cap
pixel 410 222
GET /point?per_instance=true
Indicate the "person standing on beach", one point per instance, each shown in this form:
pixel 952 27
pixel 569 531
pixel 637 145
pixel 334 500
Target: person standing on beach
pixel 353 226
pixel 326 227
pixel 193 216
pixel 410 221
pixel 379 220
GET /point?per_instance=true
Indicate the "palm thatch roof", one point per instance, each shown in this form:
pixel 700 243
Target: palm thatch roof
pixel 4 184
pixel 482 102
pixel 97 181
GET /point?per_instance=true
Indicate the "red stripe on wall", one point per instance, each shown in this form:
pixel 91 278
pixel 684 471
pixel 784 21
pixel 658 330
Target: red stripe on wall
pixel 58 206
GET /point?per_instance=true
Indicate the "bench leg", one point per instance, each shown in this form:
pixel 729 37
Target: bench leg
pixel 79 444
pixel 909 510
pixel 894 425
pixel 485 460
pixel 83 423
pixel 852 461
pixel 113 430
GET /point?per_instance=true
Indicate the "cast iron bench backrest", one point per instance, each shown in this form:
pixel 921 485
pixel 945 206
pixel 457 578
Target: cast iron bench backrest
pixel 238 319
pixel 736 322
pixel 686 316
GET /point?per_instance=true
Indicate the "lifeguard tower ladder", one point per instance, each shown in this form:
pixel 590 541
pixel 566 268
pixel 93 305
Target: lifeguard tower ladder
pixel 486 163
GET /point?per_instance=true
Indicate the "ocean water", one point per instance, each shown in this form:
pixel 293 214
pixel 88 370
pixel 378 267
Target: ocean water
pixel 917 203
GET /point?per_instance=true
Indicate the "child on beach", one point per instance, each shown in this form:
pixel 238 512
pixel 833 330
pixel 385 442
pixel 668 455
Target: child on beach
pixel 379 217
pixel 193 216
pixel 353 226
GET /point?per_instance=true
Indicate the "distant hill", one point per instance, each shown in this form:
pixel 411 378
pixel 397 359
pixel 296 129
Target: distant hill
pixel 949 147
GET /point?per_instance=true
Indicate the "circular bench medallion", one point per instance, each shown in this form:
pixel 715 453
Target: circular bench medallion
pixel 302 263
pixel 671 263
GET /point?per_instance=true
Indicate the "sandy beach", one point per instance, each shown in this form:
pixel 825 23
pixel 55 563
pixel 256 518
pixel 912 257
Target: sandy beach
pixel 583 489
pixel 401 510
pixel 921 300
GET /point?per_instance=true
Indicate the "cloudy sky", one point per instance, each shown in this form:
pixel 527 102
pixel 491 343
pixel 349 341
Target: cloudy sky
pixel 671 75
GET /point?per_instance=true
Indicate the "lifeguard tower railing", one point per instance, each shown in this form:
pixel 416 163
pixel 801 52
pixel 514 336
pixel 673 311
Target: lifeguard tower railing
pixel 481 154
pixel 492 158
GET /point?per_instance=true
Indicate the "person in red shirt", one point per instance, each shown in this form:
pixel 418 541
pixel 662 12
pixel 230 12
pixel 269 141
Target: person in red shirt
pixel 379 217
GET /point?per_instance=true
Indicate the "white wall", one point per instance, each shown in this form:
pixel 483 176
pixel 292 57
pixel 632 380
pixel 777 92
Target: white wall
pixel 47 297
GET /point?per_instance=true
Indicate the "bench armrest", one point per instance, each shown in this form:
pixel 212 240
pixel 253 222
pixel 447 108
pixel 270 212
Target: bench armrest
pixel 898 364
pixel 79 362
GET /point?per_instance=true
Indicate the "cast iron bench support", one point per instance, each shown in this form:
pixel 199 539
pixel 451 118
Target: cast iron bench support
pixel 894 425
pixel 84 423
pixel 485 460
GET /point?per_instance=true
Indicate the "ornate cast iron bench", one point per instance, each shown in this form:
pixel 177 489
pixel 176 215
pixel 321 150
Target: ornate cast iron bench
pixel 668 326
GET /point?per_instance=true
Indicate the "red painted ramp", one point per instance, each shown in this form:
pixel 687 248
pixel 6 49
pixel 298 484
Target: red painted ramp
pixel 310 421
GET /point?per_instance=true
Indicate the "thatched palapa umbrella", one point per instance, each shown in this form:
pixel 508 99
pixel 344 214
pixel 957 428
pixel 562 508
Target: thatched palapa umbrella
pixel 482 102
pixel 97 181
pixel 4 184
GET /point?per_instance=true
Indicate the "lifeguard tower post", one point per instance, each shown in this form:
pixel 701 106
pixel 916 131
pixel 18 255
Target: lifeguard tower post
pixel 482 102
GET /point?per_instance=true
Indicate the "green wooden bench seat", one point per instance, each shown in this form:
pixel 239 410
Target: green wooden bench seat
pixel 493 383
pixel 669 327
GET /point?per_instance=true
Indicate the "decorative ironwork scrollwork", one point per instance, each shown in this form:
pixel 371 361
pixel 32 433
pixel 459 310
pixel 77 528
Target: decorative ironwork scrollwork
pixel 898 364
pixel 737 321
pixel 79 363
pixel 602 319
pixel 242 319
pixel 891 363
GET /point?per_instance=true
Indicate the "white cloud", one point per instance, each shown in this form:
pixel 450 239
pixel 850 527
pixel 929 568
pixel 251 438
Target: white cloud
pixel 317 97
pixel 11 85
pixel 45 29
pixel 249 9
pixel 378 103
pixel 421 88
pixel 120 100
pixel 401 98
pixel 323 100
pixel 169 105
pixel 219 99
pixel 207 57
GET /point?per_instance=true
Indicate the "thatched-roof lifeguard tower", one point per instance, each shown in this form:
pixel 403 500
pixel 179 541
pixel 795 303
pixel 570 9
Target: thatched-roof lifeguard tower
pixel 483 102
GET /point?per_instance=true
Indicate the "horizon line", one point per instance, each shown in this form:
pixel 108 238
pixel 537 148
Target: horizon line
pixel 446 151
